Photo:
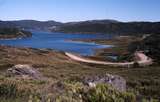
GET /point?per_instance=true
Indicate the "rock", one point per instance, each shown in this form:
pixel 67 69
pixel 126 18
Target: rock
pixel 91 84
pixel 25 71
pixel 116 81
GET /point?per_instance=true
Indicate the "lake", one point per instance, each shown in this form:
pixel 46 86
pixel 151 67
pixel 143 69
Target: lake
pixel 60 42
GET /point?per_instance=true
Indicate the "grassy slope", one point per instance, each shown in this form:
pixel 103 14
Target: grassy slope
pixel 144 81
pixel 56 66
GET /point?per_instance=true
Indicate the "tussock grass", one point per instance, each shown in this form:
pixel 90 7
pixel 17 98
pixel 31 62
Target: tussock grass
pixel 144 81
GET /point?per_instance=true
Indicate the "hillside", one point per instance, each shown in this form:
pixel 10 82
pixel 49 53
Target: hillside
pixel 90 26
pixel 150 45
pixel 59 69
pixel 6 24
pixel 111 27
pixel 30 24
pixel 36 25
pixel 7 33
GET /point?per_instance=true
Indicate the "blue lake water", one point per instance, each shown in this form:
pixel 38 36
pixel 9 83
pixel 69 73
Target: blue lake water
pixel 60 42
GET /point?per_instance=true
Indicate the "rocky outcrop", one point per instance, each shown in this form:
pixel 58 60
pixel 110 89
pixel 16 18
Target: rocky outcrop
pixel 24 71
pixel 116 81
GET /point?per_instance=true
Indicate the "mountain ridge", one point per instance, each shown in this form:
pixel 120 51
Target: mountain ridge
pixel 90 26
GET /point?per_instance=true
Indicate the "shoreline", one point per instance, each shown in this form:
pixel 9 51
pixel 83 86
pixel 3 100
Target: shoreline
pixel 116 46
pixel 12 38
pixel 120 45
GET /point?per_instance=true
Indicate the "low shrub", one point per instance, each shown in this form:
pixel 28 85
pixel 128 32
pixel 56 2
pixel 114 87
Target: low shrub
pixel 105 93
pixel 8 90
pixel 78 92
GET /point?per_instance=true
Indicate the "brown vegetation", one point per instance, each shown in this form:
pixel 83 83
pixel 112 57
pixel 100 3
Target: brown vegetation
pixel 54 65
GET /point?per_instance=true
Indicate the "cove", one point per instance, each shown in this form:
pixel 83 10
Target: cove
pixel 60 42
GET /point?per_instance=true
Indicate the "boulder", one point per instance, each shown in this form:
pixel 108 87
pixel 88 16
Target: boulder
pixel 25 71
pixel 116 81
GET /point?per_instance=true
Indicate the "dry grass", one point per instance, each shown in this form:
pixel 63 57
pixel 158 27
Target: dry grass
pixel 56 66
pixel 50 63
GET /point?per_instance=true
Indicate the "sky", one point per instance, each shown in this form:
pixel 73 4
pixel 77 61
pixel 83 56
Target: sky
pixel 80 10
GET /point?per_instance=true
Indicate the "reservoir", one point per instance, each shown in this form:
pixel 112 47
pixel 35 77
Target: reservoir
pixel 60 42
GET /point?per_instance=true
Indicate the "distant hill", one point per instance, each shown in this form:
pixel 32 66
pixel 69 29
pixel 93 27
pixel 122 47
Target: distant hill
pixel 7 24
pixel 110 27
pixel 107 21
pixel 36 25
pixel 91 26
pixel 30 24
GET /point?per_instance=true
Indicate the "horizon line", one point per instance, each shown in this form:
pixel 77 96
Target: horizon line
pixel 81 20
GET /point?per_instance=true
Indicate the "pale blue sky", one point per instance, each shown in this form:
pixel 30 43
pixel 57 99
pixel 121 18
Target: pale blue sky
pixel 79 10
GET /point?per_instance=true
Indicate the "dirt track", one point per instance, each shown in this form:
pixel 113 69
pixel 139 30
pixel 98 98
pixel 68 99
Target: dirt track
pixel 142 59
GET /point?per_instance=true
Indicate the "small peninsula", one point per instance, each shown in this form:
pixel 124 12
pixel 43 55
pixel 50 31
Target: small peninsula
pixel 11 33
